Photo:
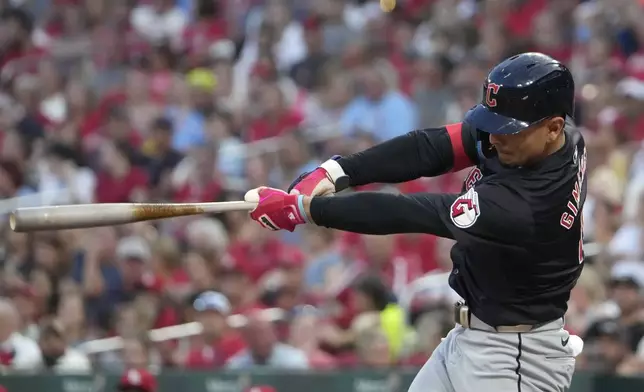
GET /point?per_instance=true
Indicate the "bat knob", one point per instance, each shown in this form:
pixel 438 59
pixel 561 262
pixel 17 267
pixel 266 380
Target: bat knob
pixel 12 221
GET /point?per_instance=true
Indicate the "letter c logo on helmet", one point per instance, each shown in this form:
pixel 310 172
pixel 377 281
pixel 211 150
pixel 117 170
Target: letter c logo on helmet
pixel 492 89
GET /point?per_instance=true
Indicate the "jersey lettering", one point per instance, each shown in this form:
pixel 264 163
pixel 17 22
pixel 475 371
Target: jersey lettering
pixel 567 219
pixel 472 177
pixel 492 89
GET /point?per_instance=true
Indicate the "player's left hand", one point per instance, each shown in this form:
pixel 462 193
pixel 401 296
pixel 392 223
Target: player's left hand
pixel 276 209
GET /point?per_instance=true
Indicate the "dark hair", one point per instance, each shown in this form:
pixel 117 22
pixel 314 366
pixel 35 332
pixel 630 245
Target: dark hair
pixel 22 17
pixel 163 124
pixel 64 152
pixel 375 289
pixel 13 171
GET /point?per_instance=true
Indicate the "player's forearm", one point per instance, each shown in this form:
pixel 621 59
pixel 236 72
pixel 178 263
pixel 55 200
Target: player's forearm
pixel 377 213
pixel 423 153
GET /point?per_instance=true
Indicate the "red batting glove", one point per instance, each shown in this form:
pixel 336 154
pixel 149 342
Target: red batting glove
pixel 327 179
pixel 276 209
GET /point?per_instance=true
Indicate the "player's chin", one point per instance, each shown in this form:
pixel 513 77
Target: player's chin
pixel 506 158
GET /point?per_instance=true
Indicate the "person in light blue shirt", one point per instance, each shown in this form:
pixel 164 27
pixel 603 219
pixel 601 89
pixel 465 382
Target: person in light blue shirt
pixel 264 349
pixel 379 110
pixel 189 127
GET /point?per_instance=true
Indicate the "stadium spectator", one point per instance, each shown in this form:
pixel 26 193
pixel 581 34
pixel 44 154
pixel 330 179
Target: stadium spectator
pixel 185 101
pixel 17 352
pixel 57 355
pixel 137 380
pixel 219 342
pixel 264 350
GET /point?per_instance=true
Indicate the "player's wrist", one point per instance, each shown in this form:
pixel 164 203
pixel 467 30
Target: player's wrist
pixel 304 207
pixel 335 173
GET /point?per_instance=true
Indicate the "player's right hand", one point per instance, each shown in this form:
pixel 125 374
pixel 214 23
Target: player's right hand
pixel 326 180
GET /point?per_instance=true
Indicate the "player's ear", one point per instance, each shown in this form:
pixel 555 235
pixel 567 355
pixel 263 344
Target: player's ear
pixel 555 128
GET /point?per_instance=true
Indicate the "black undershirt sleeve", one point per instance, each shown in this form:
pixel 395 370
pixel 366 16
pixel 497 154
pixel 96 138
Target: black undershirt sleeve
pixel 421 153
pixel 383 213
pixel 489 212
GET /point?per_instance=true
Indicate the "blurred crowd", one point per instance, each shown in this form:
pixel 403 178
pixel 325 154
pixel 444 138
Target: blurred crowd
pixel 200 100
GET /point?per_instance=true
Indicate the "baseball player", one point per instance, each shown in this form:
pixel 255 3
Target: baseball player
pixel 517 224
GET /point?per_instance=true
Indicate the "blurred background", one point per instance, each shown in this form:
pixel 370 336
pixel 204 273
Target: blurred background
pixel 200 100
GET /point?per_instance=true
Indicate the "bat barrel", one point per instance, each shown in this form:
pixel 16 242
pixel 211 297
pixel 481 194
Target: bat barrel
pixel 69 217
pixel 81 216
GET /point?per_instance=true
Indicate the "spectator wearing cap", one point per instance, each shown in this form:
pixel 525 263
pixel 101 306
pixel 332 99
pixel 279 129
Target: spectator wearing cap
pixel 380 109
pixel 56 353
pixel 137 380
pixel 110 271
pixel 605 346
pixel 188 121
pixel 264 349
pixel 133 256
pixel 219 342
pixel 203 84
pixel 17 352
pixel 627 283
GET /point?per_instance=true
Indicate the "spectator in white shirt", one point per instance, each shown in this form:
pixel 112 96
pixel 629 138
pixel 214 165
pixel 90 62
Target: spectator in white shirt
pixel 265 350
pixel 17 352
pixel 56 353
pixel 162 20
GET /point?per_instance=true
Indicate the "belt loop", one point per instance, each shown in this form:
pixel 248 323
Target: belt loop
pixel 464 316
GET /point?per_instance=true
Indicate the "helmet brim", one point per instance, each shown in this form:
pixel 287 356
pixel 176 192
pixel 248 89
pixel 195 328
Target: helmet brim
pixel 483 119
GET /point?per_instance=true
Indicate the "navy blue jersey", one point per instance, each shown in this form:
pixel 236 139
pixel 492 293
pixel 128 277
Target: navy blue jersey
pixel 518 230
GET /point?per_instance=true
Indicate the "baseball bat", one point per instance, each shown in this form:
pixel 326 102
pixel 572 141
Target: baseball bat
pixel 81 216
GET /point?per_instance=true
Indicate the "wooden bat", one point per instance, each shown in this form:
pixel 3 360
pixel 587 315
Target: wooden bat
pixel 80 216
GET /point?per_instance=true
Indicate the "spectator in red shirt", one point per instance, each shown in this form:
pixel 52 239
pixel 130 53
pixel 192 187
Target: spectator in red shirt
pixel 220 343
pixel 276 117
pixel 18 53
pixel 168 267
pixel 118 180
pixel 237 287
pixel 137 380
pixel 206 29
pixel 382 258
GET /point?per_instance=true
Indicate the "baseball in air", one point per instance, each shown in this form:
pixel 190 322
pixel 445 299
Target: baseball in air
pixel 387 5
